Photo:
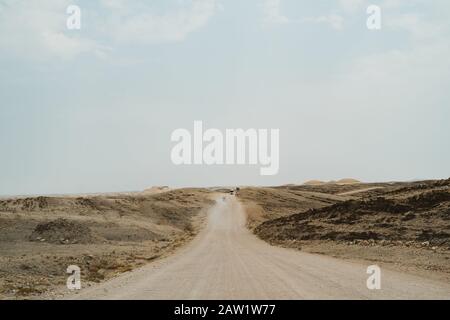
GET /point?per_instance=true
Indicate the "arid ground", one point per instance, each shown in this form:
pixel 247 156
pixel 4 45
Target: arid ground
pixel 104 235
pixel 402 227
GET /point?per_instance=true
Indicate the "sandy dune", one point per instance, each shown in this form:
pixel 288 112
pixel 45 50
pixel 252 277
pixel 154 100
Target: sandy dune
pixel 226 261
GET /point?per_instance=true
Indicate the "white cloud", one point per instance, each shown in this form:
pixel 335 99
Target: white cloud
pixel 333 20
pixel 351 6
pixel 272 12
pixel 415 25
pixel 113 4
pixel 273 15
pixel 37 30
pixel 391 4
pixel 406 76
pixel 169 27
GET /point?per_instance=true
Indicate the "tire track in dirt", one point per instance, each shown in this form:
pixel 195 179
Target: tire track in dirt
pixel 226 261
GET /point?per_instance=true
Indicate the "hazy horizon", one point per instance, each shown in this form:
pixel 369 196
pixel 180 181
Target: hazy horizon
pixel 202 186
pixel 92 110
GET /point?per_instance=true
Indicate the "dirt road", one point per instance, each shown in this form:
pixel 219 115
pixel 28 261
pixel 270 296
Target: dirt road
pixel 348 193
pixel 226 261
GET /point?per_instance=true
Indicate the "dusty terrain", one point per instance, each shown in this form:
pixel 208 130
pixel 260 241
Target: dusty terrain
pixel 226 261
pixel 104 235
pixel 403 226
pixel 264 204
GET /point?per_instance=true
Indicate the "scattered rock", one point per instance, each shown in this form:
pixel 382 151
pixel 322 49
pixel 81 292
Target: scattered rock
pixel 63 231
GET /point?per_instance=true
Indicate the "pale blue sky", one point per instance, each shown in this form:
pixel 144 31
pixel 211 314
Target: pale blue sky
pixel 92 110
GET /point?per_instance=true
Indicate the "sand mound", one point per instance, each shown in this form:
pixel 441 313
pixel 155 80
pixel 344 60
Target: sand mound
pixel 313 183
pixel 156 189
pixel 341 181
pixel 348 181
pixel 64 232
